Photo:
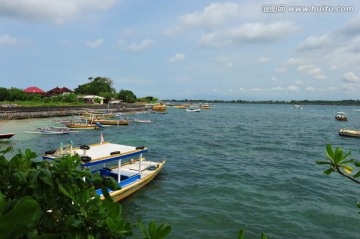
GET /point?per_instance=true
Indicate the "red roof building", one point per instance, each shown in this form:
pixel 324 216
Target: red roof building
pixel 59 91
pixel 34 90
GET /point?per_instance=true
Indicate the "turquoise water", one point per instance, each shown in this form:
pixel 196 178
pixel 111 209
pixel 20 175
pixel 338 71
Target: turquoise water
pixel 233 166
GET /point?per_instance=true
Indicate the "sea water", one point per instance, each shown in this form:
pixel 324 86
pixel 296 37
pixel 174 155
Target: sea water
pixel 234 166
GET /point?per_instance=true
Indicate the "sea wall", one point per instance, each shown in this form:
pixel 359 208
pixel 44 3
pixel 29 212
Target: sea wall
pixel 19 112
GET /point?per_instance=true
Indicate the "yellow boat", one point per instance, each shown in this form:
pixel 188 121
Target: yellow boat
pixel 111 122
pixel 205 106
pixel 159 107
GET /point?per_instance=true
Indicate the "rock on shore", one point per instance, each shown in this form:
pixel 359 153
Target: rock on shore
pixel 10 113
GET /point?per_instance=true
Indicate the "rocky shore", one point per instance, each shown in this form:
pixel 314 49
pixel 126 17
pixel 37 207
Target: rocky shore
pixel 18 112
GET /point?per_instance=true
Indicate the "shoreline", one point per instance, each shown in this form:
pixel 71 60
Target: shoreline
pixel 17 113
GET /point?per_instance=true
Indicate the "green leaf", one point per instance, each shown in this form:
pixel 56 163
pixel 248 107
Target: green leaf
pixel 12 225
pixel 152 229
pixel 329 171
pixel 143 228
pixel 64 191
pixel 241 234
pixel 329 152
pixel 357 174
pixel 263 236
pixel 357 164
pixel 163 230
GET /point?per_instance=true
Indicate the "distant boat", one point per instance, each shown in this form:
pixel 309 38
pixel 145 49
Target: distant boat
pixel 349 133
pixel 6 136
pixel 341 116
pixel 298 107
pixel 193 109
pixel 51 130
pixel 205 106
pixel 161 108
pixel 142 121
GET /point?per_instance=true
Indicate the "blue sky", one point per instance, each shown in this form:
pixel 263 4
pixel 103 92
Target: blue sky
pixel 185 49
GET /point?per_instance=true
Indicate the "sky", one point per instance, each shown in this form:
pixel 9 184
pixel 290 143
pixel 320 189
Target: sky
pixel 185 49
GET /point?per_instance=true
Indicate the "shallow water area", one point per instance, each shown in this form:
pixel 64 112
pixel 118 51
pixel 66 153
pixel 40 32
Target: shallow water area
pixel 233 166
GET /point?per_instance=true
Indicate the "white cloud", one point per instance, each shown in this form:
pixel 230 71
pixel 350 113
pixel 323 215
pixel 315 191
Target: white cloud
pixel 177 57
pixel 262 32
pixel 96 43
pixel 293 88
pixel 248 33
pixel 56 11
pixel 350 77
pixel 8 40
pixel 139 46
pixel 280 69
pixel 312 43
pixel 294 61
pixel 225 61
pixel 211 16
pixel 312 70
pixel 263 59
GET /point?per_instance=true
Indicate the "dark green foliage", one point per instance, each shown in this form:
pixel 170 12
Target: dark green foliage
pixel 154 232
pixel 148 99
pixel 241 235
pixel 56 199
pixel 96 86
pixel 127 96
pixel 338 162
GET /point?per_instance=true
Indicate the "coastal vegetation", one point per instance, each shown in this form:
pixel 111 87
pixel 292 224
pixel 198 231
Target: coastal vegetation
pixel 292 102
pixel 100 86
pixel 56 199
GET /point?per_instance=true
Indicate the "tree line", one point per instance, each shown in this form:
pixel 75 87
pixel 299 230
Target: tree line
pixel 292 102
pixel 100 86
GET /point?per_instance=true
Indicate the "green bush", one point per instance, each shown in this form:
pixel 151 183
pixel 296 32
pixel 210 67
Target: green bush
pixel 56 199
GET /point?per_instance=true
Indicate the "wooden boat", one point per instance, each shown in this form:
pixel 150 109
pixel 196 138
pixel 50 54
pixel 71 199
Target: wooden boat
pixel 51 130
pixel 159 108
pixel 193 109
pixel 183 106
pixel 6 136
pixel 142 121
pixel 131 174
pixel 205 106
pixel 341 116
pixel 79 123
pixel 111 121
pixel 349 133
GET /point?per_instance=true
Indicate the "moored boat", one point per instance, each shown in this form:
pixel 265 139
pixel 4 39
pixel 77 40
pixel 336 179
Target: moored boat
pixel 205 106
pixel 193 109
pixel 161 108
pixel 51 130
pixel 349 133
pixel 79 123
pixel 116 161
pixel 111 121
pixel 341 116
pixel 6 136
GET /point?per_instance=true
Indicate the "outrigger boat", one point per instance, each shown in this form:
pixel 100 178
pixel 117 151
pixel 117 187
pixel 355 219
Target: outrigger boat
pixel 349 133
pixel 341 116
pixel 78 123
pixel 51 130
pixel 111 121
pixel 6 136
pixel 131 174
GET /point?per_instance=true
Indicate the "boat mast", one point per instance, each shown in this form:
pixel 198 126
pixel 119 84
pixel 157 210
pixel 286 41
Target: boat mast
pixel 119 166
